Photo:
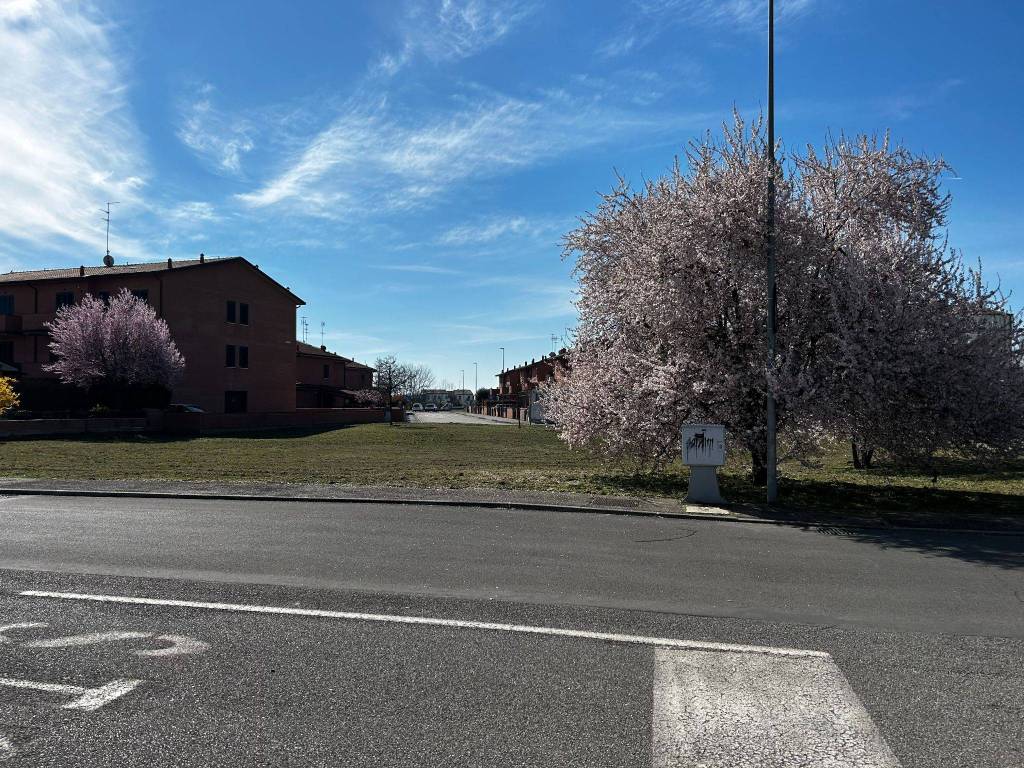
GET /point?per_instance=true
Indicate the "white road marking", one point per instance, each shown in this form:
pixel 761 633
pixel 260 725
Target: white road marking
pixel 433 622
pixel 23 625
pixel 180 644
pixel 88 699
pixel 7 748
pixel 94 638
pixel 722 711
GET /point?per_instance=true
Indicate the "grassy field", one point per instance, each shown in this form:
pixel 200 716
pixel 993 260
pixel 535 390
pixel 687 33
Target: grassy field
pixel 471 456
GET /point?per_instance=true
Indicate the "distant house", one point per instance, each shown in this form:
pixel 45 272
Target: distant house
pixel 515 384
pixel 234 325
pixel 459 398
pixel 325 379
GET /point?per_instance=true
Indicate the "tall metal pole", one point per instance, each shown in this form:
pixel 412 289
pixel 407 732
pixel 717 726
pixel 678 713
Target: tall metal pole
pixel 773 484
pixel 476 378
pixel 502 358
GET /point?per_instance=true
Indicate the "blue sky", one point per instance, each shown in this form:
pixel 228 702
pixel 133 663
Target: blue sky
pixel 408 168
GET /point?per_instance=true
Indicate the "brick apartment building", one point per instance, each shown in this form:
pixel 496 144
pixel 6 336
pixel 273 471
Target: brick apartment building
pixel 327 380
pixel 234 325
pixel 515 384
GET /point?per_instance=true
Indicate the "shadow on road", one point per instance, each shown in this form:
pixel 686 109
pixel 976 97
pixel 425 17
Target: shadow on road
pixel 1000 550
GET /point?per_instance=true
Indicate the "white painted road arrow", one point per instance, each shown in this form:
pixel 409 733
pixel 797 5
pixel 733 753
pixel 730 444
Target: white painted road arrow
pixel 725 710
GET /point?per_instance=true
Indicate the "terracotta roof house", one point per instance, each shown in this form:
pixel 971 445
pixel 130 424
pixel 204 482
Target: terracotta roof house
pixel 326 379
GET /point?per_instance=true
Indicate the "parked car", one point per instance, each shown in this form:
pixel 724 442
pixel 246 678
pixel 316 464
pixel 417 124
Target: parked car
pixel 430 407
pixel 417 406
pixel 183 408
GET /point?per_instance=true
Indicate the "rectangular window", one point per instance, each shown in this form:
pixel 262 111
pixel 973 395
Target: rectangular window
pixel 243 314
pixel 229 356
pixel 7 352
pixel 141 293
pixel 65 299
pixel 231 311
pixel 327 371
pixel 236 401
pixel 243 357
pixel 6 305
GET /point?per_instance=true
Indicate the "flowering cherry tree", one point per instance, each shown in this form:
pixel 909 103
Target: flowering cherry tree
pixel 876 317
pixel 119 345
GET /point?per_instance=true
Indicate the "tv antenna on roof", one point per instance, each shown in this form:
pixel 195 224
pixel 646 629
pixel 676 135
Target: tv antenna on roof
pixel 305 329
pixel 322 326
pixel 108 260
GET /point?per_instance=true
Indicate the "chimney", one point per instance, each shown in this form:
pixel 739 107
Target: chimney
pixel 170 264
pixel 81 271
pixel 202 258
pixel 323 347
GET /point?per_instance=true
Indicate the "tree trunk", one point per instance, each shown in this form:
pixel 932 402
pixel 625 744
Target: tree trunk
pixel 862 455
pixel 759 465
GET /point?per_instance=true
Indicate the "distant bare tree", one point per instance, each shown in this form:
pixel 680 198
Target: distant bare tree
pixel 418 378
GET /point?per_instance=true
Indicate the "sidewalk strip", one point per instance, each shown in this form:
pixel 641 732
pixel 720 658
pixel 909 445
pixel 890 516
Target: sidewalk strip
pixel 663 642
pixel 722 711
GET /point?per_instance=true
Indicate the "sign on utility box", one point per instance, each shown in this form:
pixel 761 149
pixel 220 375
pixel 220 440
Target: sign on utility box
pixel 703 452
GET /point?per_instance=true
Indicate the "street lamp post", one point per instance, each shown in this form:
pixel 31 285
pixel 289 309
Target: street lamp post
pixel 463 378
pixel 502 358
pixel 476 378
pixel 769 244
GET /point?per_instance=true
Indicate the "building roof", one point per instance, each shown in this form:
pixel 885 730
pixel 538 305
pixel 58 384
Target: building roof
pixel 169 265
pixel 308 349
pixel 550 359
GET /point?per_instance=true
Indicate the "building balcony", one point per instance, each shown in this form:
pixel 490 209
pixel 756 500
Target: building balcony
pixel 10 323
pixel 36 323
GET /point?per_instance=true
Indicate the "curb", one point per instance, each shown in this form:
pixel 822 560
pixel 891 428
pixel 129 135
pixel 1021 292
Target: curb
pixel 487 504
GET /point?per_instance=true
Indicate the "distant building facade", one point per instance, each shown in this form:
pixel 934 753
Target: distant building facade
pixel 234 325
pixel 458 398
pixel 326 379
pixel 515 384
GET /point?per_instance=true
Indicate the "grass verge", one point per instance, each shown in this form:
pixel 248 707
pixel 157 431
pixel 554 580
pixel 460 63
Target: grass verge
pixel 485 456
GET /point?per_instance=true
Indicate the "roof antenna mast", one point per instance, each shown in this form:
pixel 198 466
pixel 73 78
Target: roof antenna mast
pixel 108 260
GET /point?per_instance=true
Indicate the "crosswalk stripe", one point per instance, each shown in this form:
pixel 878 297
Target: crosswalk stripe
pixel 725 710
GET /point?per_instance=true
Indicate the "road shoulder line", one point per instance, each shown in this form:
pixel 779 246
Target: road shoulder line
pixel 660 642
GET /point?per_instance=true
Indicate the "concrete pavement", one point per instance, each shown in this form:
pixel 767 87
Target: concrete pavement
pixel 926 632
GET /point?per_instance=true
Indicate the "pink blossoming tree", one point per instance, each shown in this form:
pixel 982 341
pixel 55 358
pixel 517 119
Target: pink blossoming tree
pixel 878 336
pixel 114 347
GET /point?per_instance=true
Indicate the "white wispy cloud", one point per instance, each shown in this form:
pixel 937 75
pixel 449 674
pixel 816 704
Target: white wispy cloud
pixel 652 17
pixel 427 269
pixel 499 228
pixel 906 105
pixel 219 139
pixel 452 29
pixel 745 13
pixel 67 140
pixel 373 158
pixel 193 211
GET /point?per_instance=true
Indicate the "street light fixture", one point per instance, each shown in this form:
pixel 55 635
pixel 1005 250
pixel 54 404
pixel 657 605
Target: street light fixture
pixel 502 358
pixel 476 378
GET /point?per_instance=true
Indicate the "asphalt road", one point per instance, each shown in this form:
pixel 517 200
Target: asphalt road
pixel 925 630
pixel 456 417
